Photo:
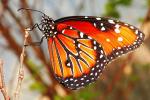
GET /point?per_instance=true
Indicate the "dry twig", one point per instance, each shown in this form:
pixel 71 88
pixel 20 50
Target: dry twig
pixel 21 70
pixel 2 84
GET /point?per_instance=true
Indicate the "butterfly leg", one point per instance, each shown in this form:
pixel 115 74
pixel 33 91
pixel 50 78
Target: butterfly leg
pixel 36 43
pixel 34 26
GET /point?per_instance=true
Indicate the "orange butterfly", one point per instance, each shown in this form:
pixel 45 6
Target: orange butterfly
pixel 81 46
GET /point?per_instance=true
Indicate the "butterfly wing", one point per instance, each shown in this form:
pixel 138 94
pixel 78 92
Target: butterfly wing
pixel 77 59
pixel 115 37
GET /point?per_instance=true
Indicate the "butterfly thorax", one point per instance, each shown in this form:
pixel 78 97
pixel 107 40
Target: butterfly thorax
pixel 48 26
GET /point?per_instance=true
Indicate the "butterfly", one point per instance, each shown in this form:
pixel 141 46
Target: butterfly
pixel 81 46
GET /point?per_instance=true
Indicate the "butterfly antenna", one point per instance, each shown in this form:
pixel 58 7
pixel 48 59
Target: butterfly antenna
pixel 31 10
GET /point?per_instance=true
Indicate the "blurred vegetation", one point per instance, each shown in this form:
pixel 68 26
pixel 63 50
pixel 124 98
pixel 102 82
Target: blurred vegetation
pixel 112 5
pixel 126 78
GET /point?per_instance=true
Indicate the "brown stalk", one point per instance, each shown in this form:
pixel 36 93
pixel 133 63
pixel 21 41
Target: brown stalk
pixel 2 84
pixel 21 70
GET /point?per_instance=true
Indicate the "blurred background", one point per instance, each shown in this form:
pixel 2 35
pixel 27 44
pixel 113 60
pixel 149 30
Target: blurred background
pixel 126 78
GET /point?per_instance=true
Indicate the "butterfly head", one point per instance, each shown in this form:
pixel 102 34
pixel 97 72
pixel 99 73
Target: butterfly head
pixel 48 26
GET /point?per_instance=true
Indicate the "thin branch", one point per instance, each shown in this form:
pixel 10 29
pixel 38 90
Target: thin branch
pixel 21 70
pixel 2 84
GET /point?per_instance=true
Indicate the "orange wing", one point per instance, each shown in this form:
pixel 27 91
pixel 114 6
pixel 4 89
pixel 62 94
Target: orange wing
pixel 116 37
pixel 77 59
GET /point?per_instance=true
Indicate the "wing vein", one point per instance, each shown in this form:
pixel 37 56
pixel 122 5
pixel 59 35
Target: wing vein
pixel 69 52
pixel 59 59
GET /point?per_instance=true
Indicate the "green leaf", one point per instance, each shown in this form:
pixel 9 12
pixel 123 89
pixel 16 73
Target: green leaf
pixel 124 2
pixel 38 87
pixel 134 78
pixel 111 7
pixel 35 68
pixel 56 97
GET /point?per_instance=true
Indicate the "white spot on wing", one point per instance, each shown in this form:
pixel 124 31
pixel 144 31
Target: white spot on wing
pixel 79 45
pixel 95 47
pixel 96 74
pixel 131 27
pixel 111 21
pixel 89 37
pixel 120 39
pixel 117 30
pixel 71 84
pixel 81 34
pixel 95 24
pixel 136 32
pixel 94 42
pixel 53 27
pixel 55 32
pixel 66 80
pixel 77 84
pixel 98 18
pixel 117 25
pixel 91 74
pixel 71 79
pixel 63 31
pixel 126 24
pixel 119 47
pixel 117 53
pixel 103 28
pixel 82 78
pixel 51 31
pixel 141 35
pixel 108 40
pixel 68 64
pixel 101 56
pixel 97 66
